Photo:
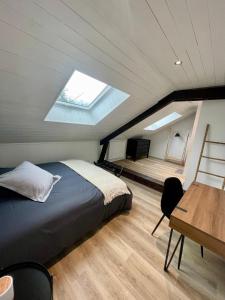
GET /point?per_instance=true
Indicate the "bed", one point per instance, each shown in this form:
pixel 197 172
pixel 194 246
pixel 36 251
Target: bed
pixel 34 231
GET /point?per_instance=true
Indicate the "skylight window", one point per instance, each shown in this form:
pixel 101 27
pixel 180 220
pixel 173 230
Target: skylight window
pixel 85 101
pixel 82 90
pixel 164 121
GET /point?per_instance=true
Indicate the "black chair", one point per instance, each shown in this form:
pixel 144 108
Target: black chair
pixel 172 193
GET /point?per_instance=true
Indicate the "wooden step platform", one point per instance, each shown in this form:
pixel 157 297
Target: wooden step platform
pixel 143 179
pixel 118 170
pixel 151 172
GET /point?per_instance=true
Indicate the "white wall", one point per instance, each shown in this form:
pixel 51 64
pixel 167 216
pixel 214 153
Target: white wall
pixel 159 143
pixel 117 150
pixel 193 134
pixel 160 139
pixel 14 153
pixel 213 113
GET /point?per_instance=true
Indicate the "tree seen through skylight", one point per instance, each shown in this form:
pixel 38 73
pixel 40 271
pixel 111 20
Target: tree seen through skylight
pixel 81 90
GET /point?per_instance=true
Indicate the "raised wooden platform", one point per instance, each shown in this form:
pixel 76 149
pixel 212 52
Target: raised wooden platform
pixel 143 179
pixel 150 172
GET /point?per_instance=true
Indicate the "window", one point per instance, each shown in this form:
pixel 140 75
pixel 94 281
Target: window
pixel 85 101
pixel 82 90
pixel 164 121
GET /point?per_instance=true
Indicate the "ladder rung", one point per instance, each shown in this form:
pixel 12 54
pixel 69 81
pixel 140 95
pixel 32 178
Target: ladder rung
pixel 220 176
pixel 209 157
pixel 215 142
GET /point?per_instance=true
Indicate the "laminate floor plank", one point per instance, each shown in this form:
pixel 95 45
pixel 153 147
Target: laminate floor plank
pixel 123 261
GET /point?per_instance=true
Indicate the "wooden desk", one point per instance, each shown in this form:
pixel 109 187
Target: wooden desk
pixel 200 215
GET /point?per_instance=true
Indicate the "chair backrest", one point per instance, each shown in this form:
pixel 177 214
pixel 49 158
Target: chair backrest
pixel 172 193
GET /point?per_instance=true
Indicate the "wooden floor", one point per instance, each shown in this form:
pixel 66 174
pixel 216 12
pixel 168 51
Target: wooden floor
pixel 123 261
pixel 154 168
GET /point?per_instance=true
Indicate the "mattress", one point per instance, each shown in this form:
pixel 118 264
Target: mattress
pixel 34 231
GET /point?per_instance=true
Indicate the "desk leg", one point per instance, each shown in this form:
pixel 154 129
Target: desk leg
pixel 166 265
pixel 202 251
pixel 181 251
pixel 52 286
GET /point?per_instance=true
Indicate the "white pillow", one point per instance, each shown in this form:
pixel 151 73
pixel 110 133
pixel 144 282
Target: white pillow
pixel 30 181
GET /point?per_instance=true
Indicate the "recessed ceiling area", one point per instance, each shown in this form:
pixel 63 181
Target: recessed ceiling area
pixel 130 45
pixel 184 109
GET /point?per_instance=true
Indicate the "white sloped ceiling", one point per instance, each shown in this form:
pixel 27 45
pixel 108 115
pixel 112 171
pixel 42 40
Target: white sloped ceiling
pixel 129 44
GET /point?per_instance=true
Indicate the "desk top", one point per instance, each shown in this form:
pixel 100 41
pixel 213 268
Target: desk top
pixel 203 208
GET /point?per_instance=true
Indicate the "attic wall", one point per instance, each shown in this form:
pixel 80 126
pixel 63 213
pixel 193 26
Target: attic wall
pixel 212 112
pixel 117 150
pixel 12 154
pixel 159 140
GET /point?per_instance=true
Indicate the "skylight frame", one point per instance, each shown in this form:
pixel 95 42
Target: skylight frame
pixel 163 121
pixel 92 103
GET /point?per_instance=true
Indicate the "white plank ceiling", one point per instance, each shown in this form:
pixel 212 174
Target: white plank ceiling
pixel 129 44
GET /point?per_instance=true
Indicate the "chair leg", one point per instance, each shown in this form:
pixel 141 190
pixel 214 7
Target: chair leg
pixel 158 224
pixel 202 251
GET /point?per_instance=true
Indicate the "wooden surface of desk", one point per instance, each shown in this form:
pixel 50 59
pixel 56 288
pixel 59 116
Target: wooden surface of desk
pixel 202 217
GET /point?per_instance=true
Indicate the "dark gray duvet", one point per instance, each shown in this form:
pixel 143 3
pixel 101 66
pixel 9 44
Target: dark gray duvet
pixel 34 231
